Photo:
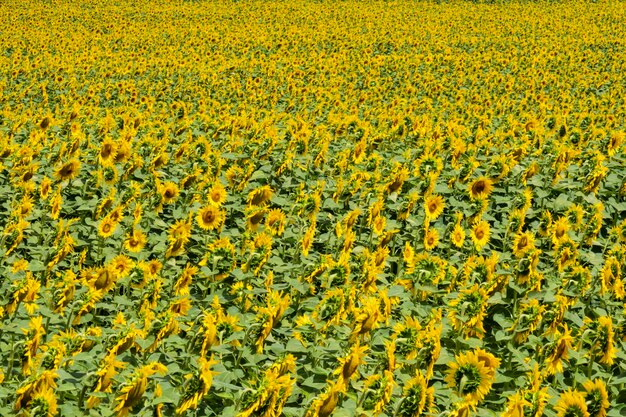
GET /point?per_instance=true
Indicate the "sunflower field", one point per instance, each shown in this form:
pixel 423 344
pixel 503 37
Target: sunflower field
pixel 312 208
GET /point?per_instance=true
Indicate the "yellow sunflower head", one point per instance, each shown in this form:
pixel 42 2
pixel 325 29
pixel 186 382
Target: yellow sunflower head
pixel 480 188
pixel 431 239
pixel 169 191
pixel 275 222
pixel 596 397
pixel 210 217
pixel 522 243
pixel 135 241
pixel 433 206
pixel 572 404
pixel 260 195
pixel 418 397
pixel 68 170
pixel 480 234
pixel 470 377
pixel 458 236
pixel 107 227
pixel 217 194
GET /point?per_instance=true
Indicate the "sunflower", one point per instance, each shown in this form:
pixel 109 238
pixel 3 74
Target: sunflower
pixel 522 243
pixel 378 224
pixel 210 217
pixel 307 240
pixel 515 405
pixel 101 279
pixel 132 392
pixel 605 344
pixel 558 351
pixel 470 377
pixel 44 188
pixel 458 236
pixel 135 241
pixel 217 194
pixel 596 398
pixel 433 206
pixel 417 397
pixel 255 216
pixel 431 239
pixel 108 152
pixel 571 404
pixel 45 123
pixel 325 404
pixel 528 319
pixel 68 170
pixel 197 386
pixel 260 195
pixel 351 218
pixel 480 188
pixel 105 374
pixel 151 268
pixel 398 180
pixel 379 388
pixel 480 234
pixel 407 338
pixel 489 360
pixel 169 191
pixel 559 231
pixel 366 318
pixel 349 364
pixel 275 222
pixel 122 265
pixel 467 311
pixel 107 227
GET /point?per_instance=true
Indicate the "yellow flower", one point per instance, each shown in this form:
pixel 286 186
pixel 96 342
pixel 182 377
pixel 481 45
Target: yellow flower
pixel 433 206
pixel 198 385
pixel 515 405
pixel 571 403
pixel 275 222
pixel 431 239
pixel 68 170
pixel 378 224
pixel 349 364
pixel 605 345
pixel 325 404
pixel 169 191
pixel 255 217
pixel 307 240
pixel 107 227
pixel 417 398
pixel 468 310
pixel 217 194
pixel 559 231
pixel 458 236
pixel 132 392
pixel 469 377
pixel 528 318
pixel 135 241
pixel 522 243
pixel 108 151
pixel 558 351
pixel 44 188
pixel 480 234
pixel 122 265
pixel 105 375
pixel 260 195
pixel 596 398
pixel 366 318
pixel 480 188
pixel 210 218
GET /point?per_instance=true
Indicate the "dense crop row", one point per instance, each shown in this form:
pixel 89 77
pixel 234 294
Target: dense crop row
pixel 312 209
